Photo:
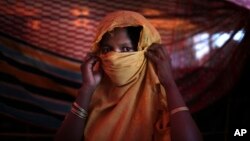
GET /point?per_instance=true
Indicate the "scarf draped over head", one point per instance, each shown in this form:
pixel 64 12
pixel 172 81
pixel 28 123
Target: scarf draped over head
pixel 129 104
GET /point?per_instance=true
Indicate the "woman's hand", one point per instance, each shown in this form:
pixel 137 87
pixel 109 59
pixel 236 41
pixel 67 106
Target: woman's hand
pixel 73 126
pixel 158 55
pixel 91 72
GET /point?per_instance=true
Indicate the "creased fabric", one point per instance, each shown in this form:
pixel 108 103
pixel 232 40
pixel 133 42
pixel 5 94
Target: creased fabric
pixel 118 66
pixel 129 104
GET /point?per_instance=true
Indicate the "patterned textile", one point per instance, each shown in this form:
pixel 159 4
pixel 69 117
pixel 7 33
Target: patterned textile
pixel 43 42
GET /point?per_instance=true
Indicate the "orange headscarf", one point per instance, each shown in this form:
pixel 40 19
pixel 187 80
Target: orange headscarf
pixel 129 104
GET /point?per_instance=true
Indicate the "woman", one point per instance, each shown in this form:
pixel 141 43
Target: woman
pixel 128 91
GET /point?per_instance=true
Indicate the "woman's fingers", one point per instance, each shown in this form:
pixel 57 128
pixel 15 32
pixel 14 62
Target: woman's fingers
pixel 158 55
pixel 91 71
pixel 151 56
pixel 157 49
pixel 89 61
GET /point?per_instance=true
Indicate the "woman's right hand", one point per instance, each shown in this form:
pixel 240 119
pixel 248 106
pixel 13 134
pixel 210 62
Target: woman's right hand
pixel 73 126
pixel 91 72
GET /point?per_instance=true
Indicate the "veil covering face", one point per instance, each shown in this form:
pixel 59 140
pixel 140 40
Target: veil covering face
pixel 129 104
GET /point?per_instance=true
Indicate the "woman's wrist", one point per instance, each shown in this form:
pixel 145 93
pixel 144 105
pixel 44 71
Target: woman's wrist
pixel 169 84
pixel 86 90
pixel 167 80
pixel 84 96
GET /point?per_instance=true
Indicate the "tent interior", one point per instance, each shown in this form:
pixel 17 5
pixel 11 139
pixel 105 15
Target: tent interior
pixel 42 44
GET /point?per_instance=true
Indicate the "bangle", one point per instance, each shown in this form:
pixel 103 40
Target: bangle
pixel 79 111
pixel 80 108
pixel 179 109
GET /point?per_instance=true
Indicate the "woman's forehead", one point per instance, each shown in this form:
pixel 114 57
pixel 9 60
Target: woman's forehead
pixel 117 31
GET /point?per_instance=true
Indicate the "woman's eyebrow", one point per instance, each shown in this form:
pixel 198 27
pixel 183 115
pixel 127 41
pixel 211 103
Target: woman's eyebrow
pixel 105 45
pixel 126 44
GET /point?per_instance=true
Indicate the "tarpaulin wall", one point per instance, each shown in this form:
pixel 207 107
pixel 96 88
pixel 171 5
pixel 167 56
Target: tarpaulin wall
pixel 42 44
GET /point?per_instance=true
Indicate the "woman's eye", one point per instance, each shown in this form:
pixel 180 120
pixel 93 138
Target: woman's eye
pixel 126 49
pixel 106 50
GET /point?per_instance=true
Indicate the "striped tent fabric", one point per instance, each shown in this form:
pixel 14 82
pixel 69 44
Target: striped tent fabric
pixel 42 44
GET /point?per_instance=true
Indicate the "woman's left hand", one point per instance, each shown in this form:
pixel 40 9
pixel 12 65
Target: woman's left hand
pixel 159 56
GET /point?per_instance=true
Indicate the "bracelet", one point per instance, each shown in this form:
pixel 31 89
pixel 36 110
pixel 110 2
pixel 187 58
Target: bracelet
pixel 179 109
pixel 80 108
pixel 79 111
